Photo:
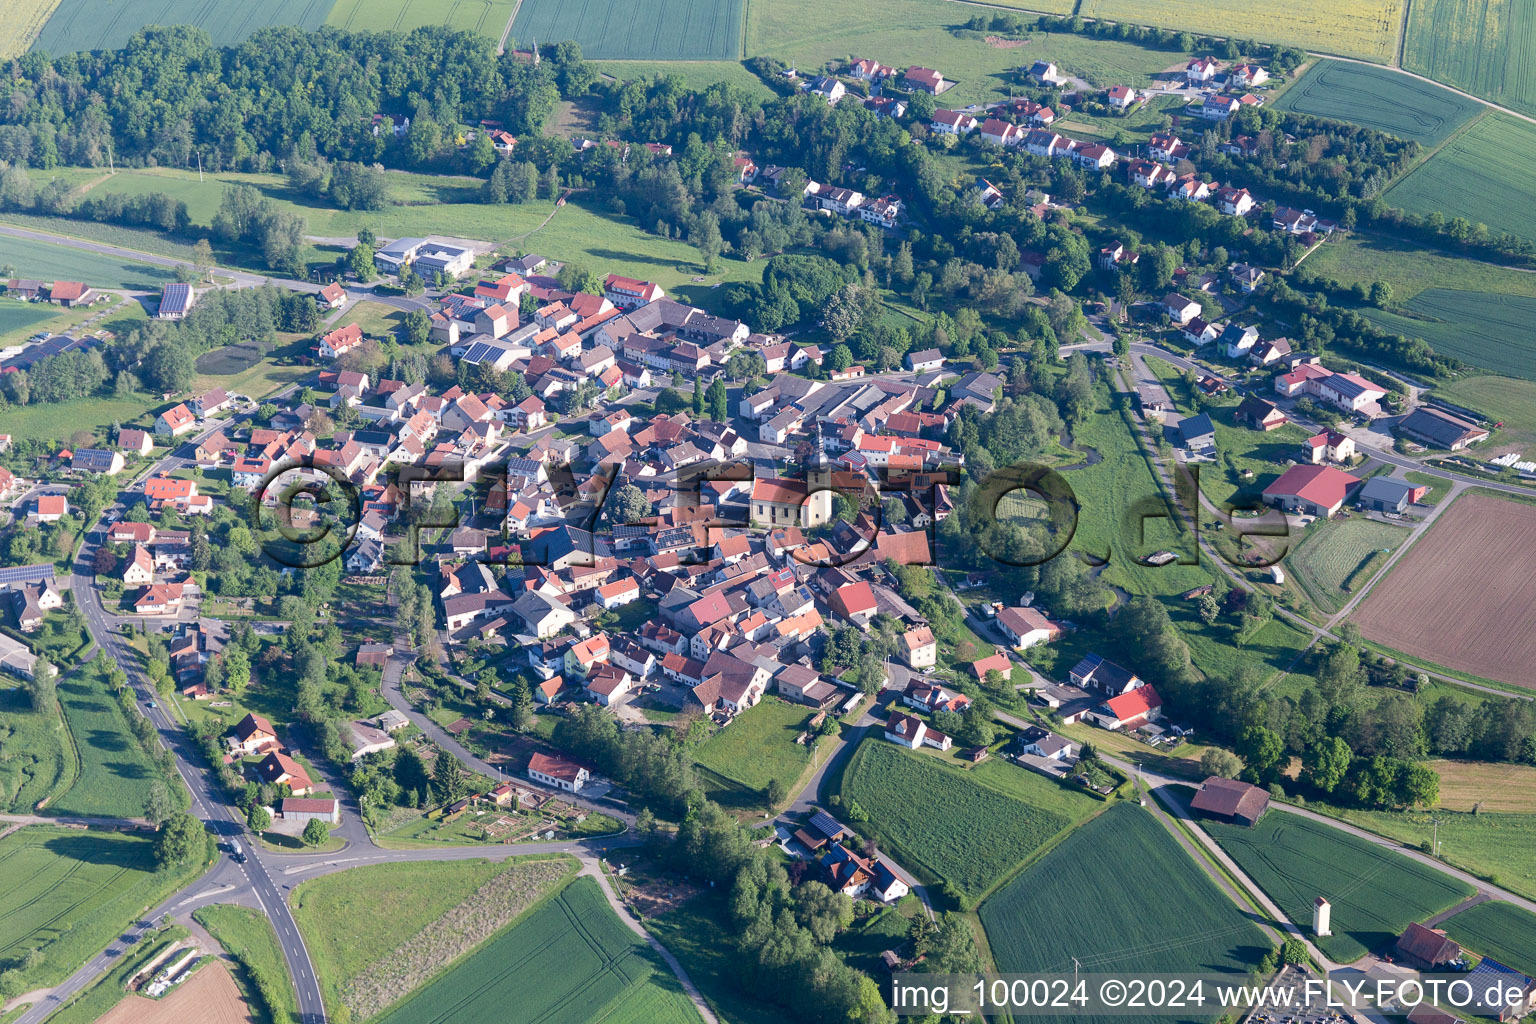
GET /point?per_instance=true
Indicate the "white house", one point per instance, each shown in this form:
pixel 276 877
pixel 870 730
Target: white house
pixel 558 772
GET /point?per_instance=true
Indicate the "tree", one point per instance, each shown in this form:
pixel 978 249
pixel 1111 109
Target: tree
pixel 448 778
pixel 574 277
pixel 1325 763
pixel 1221 763
pixel 1262 750
pixel 360 261
pixel 774 793
pixel 1293 952
pixel 716 399
pixel 840 358
pixel 42 688
pixel 315 832
pixel 259 818
pixel 179 840
pixel 202 257
pixel 158 805
pixel 418 327
pixel 645 821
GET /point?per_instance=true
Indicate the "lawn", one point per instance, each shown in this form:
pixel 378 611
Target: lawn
pixel 1336 559
pixel 1483 46
pixel 637 29
pixel 1381 99
pixel 948 824
pixel 569 962
pixel 700 934
pixel 1499 847
pixel 1482 174
pixel 247 936
pixel 69 892
pixel 353 921
pixel 487 17
pixel 906 32
pixel 1485 329
pixel 108 24
pixel 18 320
pixel 49 262
pixel 36 761
pixel 114 770
pixel 1438 486
pixel 1352 28
pixel 759 745
pixel 1375 892
pixel 1497 929
pixel 1120 895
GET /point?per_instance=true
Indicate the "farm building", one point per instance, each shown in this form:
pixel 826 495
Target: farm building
pixel 1319 490
pixel 305 809
pixel 1386 494
pixel 1425 948
pixel 1513 994
pixel 175 300
pixel 1440 429
pixel 1230 800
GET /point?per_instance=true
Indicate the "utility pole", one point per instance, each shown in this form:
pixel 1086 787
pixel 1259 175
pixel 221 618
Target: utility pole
pixel 1435 843
pixel 199 167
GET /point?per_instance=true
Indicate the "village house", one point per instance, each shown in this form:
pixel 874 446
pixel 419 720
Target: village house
pixel 1330 446
pixel 559 772
pixel 1026 627
pixel 913 733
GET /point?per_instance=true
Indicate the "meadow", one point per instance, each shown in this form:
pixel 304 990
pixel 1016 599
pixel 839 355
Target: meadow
pixel 906 32
pixel 1341 554
pixel 1375 892
pixel 1482 174
pixel 48 262
pixel 36 760
pixel 108 24
pixel 1380 99
pixel 487 17
pixel 759 745
pixel 355 921
pixel 1506 400
pixel 948 824
pixel 18 320
pixel 1353 28
pixel 114 770
pixel 69 892
pixel 1118 895
pixel 1485 329
pixel 247 936
pixel 1364 257
pixel 638 29
pixel 569 962
pixel 1486 47
pixel 1497 929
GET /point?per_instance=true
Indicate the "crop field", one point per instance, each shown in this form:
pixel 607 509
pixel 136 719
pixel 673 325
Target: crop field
pixel 948 824
pixel 759 745
pixel 1461 596
pixel 1497 929
pixel 209 997
pixel 354 922
pixel 1377 98
pixel 108 24
pixel 1336 556
pixel 1487 47
pixel 1138 905
pixel 114 769
pixel 1485 329
pixel 48 262
pixel 1375 891
pixel 24 19
pixel 1486 785
pixel 636 29
pixel 1496 846
pixel 1482 174
pixel 1351 28
pixel 487 17
pixel 1367 256
pixel 68 892
pixel 906 32
pixel 35 759
pixel 569 962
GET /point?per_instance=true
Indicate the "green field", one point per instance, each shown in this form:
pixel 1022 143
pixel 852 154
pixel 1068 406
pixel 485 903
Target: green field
pixel 247 936
pixel 1375 892
pixel 108 24
pixel 1119 895
pixel 759 745
pixel 114 770
pixel 906 32
pixel 19 318
pixel 1485 329
pixel 1332 554
pixel 69 892
pixel 1377 98
pixel 1500 847
pixel 1497 929
pixel 35 756
pixel 697 74
pixel 1482 174
pixel 487 17
pixel 951 825
pixel 48 262
pixel 1503 399
pixel 1486 47
pixel 1352 28
pixel 1364 257
pixel 636 29
pixel 569 962
pixel 355 921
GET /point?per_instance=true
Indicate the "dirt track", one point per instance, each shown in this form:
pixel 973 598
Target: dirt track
pixel 209 997
pixel 1462 596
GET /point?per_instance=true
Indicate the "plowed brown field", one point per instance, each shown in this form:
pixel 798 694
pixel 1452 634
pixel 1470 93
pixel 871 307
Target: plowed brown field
pixel 1462 596
pixel 209 997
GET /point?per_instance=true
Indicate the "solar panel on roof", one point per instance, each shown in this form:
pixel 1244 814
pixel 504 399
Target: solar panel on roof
pixel 26 573
pixel 479 352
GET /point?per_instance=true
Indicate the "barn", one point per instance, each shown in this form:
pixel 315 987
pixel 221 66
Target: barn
pixel 1231 801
